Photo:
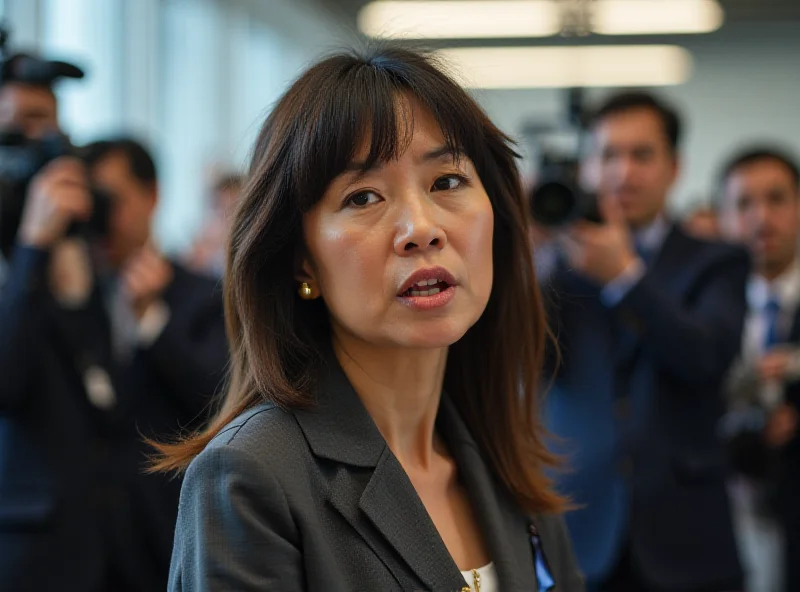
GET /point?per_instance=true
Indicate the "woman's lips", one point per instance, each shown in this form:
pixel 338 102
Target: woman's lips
pixel 440 297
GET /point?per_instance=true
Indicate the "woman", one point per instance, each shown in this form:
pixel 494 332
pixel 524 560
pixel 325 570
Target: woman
pixel 378 260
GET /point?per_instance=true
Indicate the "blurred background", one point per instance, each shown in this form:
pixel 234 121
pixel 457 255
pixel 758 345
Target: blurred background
pixel 131 338
pixel 194 78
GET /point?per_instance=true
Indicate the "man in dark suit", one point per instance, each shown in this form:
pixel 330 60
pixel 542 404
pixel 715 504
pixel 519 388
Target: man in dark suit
pixel 167 326
pixel 95 354
pixel 760 207
pixel 648 320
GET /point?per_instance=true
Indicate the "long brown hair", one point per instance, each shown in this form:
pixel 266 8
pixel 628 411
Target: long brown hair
pixel 278 341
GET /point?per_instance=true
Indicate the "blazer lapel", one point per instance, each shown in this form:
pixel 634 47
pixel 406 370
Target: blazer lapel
pixel 372 491
pixel 393 506
pixel 666 266
pixel 505 526
pixel 794 330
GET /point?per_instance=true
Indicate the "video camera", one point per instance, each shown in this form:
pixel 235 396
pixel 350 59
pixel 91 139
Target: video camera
pixel 558 199
pixel 22 157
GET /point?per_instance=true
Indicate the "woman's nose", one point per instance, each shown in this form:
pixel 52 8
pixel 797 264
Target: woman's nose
pixel 418 229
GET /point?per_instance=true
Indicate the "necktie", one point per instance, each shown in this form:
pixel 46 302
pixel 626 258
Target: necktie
pixel 772 313
pixel 642 250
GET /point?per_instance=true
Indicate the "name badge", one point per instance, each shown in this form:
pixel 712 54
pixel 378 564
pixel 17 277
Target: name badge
pixel 99 389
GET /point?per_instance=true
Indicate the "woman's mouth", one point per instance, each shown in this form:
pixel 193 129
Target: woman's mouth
pixel 425 288
pixel 428 288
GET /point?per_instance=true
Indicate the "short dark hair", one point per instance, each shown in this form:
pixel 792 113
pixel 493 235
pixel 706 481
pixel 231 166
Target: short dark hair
pixel 631 100
pixel 140 161
pixel 760 153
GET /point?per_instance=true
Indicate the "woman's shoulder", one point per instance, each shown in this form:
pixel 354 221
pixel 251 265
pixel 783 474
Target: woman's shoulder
pixel 264 435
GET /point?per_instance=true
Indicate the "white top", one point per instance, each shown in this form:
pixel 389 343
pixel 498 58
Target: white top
pixel 786 289
pixel 488 579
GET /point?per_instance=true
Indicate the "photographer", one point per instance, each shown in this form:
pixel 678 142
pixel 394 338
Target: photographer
pixel 760 207
pixel 648 321
pixel 102 342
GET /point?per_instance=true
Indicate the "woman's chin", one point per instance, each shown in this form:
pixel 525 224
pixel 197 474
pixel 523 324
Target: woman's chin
pixel 431 335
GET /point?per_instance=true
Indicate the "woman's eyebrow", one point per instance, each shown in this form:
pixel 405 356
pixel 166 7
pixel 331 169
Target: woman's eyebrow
pixel 435 154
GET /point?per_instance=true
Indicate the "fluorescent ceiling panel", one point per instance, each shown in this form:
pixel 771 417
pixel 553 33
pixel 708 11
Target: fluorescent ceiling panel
pixel 475 19
pixel 568 67
pixel 636 17
pixel 450 19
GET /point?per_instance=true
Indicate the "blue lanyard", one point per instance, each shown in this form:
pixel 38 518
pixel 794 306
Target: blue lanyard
pixel 544 576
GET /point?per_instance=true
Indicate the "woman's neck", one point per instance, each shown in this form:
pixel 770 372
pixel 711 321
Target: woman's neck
pixel 401 389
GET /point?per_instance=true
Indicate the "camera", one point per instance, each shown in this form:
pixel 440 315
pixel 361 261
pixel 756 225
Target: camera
pixel 20 159
pixel 558 199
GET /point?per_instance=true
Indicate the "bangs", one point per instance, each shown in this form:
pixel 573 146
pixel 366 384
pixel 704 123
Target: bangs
pixel 365 109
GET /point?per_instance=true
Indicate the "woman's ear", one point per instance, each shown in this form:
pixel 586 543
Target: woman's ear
pixel 304 272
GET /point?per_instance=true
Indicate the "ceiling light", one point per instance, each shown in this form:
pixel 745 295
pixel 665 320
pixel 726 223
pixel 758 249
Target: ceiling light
pixel 634 17
pixel 569 67
pixel 471 19
pixel 451 19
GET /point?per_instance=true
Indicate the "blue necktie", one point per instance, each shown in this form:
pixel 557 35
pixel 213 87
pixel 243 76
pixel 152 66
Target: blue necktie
pixel 644 253
pixel 772 313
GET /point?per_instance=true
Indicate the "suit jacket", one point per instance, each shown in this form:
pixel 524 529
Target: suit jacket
pixel 315 500
pixel 73 502
pixel 636 403
pixel 778 469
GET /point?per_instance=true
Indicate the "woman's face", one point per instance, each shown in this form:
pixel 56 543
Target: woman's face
pixel 402 254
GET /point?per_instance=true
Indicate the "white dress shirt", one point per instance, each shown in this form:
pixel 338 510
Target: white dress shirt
pixel 786 290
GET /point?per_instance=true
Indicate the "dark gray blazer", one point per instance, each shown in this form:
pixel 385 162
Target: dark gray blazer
pixel 315 500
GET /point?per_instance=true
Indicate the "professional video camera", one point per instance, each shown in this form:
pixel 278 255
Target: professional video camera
pixel 558 199
pixel 22 157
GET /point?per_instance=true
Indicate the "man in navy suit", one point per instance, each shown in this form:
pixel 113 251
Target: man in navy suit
pixel 648 320
pixel 101 344
pixel 760 207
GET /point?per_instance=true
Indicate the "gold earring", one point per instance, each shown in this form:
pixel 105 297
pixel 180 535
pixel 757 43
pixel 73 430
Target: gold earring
pixel 305 291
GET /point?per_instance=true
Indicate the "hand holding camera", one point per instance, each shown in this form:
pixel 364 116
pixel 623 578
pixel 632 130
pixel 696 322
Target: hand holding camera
pixel 58 196
pixel 145 278
pixel 601 252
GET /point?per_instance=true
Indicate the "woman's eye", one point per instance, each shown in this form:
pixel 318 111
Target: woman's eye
pixel 447 183
pixel 362 199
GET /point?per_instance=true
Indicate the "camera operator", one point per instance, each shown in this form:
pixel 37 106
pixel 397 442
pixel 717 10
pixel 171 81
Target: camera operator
pixel 29 108
pixel 80 386
pixel 760 207
pixel 648 321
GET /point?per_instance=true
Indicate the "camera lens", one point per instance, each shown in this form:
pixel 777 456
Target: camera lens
pixel 554 203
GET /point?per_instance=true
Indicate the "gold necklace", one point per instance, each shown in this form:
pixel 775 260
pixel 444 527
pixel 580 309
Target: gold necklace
pixel 476 583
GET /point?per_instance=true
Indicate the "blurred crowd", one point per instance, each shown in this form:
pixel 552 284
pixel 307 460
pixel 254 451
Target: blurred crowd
pixel 675 363
pixel 675 397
